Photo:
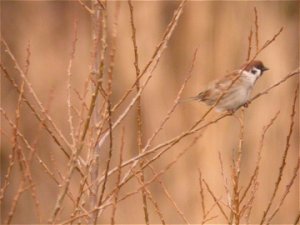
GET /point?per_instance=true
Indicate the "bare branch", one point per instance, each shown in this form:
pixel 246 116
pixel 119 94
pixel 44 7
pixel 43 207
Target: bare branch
pixel 283 163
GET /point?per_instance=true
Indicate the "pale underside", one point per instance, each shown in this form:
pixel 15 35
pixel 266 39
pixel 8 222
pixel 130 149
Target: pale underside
pixel 234 96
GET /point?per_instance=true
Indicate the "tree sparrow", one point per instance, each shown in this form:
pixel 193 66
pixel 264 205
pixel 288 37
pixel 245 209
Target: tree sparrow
pixel 238 93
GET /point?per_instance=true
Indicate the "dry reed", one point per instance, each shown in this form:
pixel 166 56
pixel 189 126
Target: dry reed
pixel 97 173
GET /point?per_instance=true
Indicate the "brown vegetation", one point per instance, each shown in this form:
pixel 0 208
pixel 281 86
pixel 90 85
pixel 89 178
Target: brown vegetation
pixel 93 130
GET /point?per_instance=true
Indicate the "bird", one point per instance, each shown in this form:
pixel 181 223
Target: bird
pixel 232 90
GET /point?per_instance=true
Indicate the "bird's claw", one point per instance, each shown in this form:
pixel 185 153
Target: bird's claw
pixel 246 104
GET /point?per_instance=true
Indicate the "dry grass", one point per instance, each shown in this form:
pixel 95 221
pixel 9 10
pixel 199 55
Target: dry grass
pixel 112 144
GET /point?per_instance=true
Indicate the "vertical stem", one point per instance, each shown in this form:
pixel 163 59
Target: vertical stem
pixel 235 206
pixel 97 71
pixel 94 71
pixel 138 109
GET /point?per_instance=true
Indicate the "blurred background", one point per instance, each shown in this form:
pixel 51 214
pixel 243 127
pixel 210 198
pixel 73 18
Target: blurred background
pixel 220 31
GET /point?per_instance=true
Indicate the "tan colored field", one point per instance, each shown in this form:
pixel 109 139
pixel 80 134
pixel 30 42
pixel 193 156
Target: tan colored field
pixel 62 134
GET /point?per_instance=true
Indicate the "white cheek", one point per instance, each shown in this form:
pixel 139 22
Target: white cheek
pixel 251 77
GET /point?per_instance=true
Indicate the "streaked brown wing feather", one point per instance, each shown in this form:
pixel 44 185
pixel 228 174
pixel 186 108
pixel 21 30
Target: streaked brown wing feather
pixel 211 94
pixel 226 81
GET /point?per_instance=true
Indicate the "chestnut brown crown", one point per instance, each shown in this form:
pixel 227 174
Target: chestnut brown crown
pixel 255 64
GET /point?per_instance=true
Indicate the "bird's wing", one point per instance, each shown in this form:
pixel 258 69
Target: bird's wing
pixel 220 86
pixel 224 83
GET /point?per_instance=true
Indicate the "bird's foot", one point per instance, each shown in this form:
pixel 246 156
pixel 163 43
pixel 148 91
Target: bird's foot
pixel 230 111
pixel 246 104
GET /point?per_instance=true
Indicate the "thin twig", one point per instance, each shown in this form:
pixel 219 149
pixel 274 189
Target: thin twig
pixel 164 120
pixel 236 173
pixel 138 108
pixel 258 158
pixel 33 93
pixel 34 111
pixel 287 190
pixel 297 219
pixel 266 91
pixel 215 200
pixel 189 132
pixel 225 181
pixel 249 44
pixel 107 163
pixel 202 195
pixel 69 74
pixel 116 193
pixel 148 195
pixel 283 163
pixel 248 205
pixel 256 29
pixel 157 52
pixel 149 68
pixel 192 131
pixel 153 179
pixel 15 200
pixel 85 7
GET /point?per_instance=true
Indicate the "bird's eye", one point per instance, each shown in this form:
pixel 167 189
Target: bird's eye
pixel 253 71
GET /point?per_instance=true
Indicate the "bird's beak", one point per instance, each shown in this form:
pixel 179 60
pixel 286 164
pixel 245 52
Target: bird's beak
pixel 265 69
